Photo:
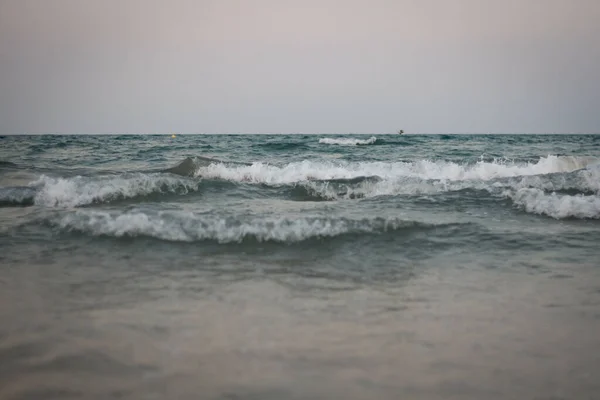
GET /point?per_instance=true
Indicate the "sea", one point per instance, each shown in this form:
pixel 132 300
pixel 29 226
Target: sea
pixel 272 267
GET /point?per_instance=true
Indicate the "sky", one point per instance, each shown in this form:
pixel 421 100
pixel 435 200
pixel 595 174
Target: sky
pixel 311 66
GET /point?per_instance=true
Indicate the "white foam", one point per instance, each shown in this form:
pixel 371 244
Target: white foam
pixel 590 178
pixel 556 206
pixel 187 226
pixel 583 180
pixel 348 141
pixel 424 169
pixel 420 177
pixel 365 189
pixel 78 191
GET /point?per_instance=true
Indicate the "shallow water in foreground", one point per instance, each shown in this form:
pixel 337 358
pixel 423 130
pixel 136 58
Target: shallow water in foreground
pixel 300 267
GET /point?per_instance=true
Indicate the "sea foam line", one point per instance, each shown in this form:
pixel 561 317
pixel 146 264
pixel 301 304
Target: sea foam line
pixel 348 141
pixel 424 169
pixel 188 227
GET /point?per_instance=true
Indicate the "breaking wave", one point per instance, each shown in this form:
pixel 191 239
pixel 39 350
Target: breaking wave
pixel 579 182
pixel 182 226
pixel 80 191
pixel 424 169
pixel 556 206
pixel 320 180
pixel 190 165
pixel 16 196
pixel 349 141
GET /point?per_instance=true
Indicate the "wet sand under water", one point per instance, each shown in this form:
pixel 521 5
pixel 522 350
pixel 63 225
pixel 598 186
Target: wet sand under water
pixel 446 333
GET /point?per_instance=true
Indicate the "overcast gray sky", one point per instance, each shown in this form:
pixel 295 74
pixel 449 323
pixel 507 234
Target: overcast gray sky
pixel 310 66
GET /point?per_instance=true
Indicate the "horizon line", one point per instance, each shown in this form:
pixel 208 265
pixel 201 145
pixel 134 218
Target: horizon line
pixel 294 133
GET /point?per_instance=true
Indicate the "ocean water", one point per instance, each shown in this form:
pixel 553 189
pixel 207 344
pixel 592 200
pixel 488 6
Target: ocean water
pixel 300 267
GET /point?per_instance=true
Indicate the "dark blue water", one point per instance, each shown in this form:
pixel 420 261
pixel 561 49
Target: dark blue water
pixel 300 267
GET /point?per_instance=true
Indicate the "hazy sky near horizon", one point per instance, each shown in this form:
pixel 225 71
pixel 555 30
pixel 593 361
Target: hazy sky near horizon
pixel 312 66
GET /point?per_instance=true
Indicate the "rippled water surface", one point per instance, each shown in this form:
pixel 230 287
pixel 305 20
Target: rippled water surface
pixel 300 267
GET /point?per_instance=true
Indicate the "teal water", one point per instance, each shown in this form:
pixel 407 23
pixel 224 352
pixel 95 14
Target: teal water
pixel 300 266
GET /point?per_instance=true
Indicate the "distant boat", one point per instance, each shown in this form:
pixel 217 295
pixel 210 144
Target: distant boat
pixel 400 132
pixel 173 136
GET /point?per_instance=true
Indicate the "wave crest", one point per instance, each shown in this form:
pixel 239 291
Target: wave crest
pixel 556 206
pixel 16 196
pixel 348 141
pixel 79 191
pixel 188 227
pixel 423 169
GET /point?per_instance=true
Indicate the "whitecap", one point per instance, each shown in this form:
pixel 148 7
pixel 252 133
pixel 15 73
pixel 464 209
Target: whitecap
pixel 556 206
pixel 188 226
pixel 80 190
pixel 348 141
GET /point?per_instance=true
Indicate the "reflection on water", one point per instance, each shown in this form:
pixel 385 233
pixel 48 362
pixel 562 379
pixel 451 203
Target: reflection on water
pixel 441 333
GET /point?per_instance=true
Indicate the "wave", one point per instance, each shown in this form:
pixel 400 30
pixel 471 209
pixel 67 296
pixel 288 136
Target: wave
pixel 372 187
pixel 556 206
pixel 7 164
pixel 190 165
pixel 326 190
pixel 424 170
pixel 335 189
pixel 17 196
pixel 317 180
pixel 560 196
pixel 333 180
pixel 348 141
pixel 80 191
pixel 582 181
pixel 181 226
